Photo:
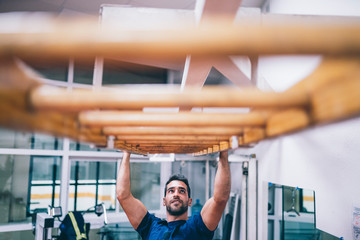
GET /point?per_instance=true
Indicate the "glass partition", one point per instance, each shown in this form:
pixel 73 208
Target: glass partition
pixel 292 215
pixel 195 172
pixel 297 221
pixel 145 183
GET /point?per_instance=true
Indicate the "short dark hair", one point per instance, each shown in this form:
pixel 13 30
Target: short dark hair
pixel 178 177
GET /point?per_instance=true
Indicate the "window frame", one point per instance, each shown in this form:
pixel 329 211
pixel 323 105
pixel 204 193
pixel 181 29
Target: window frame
pixel 53 180
pixel 96 183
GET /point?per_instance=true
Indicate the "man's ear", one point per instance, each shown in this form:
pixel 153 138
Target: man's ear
pixel 164 201
pixel 190 201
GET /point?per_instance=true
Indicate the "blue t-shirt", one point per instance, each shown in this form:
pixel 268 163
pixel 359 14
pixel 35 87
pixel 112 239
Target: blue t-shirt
pixel 152 227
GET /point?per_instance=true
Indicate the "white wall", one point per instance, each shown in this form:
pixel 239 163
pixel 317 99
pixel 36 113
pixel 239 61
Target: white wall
pixel 325 158
pixel 316 7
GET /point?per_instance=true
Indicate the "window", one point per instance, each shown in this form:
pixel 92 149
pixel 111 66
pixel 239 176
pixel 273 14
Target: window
pixel 50 68
pixel 44 178
pixel 92 183
pixel 291 213
pixel 117 72
pixel 83 71
pixel 76 146
pixel 14 139
pixel 41 141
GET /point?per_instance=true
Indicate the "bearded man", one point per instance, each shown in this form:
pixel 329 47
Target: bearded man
pixel 176 200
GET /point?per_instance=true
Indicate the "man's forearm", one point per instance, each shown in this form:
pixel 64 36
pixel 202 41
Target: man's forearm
pixel 123 188
pixel 212 211
pixel 134 209
pixel 222 183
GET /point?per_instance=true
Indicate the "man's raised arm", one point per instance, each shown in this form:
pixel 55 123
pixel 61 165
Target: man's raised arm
pixel 134 208
pixel 214 207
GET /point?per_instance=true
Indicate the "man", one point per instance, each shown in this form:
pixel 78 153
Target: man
pixel 177 200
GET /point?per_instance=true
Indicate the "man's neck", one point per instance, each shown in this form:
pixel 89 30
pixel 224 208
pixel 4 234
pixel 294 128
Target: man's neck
pixel 171 218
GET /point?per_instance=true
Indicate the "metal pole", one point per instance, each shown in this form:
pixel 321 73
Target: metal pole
pixel 65 175
pixel 252 199
pixel 243 221
pixel 207 177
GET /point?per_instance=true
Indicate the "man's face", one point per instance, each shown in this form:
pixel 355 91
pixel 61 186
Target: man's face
pixel 176 199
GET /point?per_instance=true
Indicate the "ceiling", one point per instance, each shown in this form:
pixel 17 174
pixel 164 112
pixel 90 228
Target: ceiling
pixel 92 7
pixel 196 72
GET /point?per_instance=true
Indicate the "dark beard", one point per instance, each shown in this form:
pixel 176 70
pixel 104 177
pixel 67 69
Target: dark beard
pixel 178 211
